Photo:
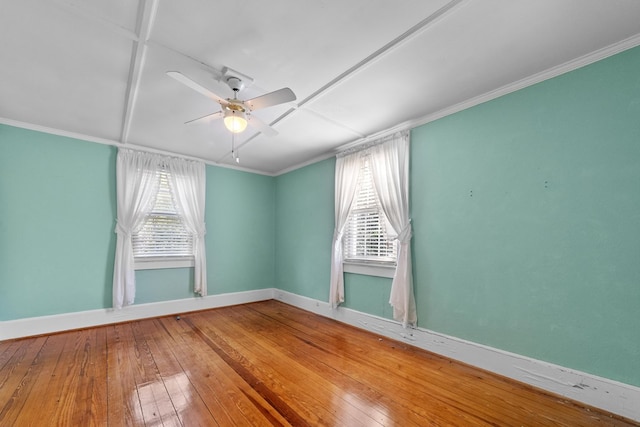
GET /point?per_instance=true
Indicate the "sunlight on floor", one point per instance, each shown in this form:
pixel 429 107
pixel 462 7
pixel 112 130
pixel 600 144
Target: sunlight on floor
pixel 162 400
pixel 375 411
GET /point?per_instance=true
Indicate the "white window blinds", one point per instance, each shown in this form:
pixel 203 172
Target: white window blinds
pixel 163 233
pixel 365 237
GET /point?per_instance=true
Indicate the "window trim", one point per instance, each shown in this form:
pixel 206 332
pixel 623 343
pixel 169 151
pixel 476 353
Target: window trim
pixel 370 268
pixel 156 262
pixel 381 266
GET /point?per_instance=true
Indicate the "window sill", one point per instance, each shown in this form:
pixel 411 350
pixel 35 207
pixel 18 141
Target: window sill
pixel 153 263
pixel 370 268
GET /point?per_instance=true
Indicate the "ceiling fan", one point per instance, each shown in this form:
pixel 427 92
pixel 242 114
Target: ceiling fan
pixel 236 112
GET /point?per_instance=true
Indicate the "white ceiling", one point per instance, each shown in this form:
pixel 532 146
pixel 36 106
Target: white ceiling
pixel 97 68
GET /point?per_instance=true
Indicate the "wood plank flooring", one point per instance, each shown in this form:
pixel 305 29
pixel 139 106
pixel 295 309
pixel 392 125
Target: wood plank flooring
pixel 258 364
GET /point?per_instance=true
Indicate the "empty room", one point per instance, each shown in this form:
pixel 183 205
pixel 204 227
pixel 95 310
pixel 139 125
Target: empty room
pixel 356 213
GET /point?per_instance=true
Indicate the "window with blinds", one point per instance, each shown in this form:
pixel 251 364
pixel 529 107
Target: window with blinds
pixel 163 233
pixel 365 237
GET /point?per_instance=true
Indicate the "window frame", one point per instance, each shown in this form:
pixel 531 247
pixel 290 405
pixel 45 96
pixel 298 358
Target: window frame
pixel 383 266
pixel 153 262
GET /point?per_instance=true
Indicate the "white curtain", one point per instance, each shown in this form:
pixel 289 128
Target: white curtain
pixel 390 169
pixel 188 190
pixel 346 183
pixel 136 186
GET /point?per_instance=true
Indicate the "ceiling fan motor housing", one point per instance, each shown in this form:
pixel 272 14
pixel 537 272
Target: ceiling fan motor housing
pixel 235 84
pixel 235 79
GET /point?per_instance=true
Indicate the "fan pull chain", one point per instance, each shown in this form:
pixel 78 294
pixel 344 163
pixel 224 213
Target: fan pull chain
pixel 234 153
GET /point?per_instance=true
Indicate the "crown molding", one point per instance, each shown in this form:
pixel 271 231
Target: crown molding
pixel 106 141
pixel 550 73
pixel 547 74
pixel 317 159
pixel 574 64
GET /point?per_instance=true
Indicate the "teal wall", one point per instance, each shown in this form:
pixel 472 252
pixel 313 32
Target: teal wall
pixel 240 220
pixel 57 210
pixel 368 294
pixel 304 229
pixel 526 215
pixel 163 284
pixel 57 216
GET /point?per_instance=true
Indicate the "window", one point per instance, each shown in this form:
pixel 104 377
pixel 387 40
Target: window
pixel 163 239
pixel 365 238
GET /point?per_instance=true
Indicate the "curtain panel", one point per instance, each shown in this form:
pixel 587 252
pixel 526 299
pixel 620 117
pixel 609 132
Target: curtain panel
pixel 346 183
pixel 137 188
pixel 188 180
pixel 390 170
pixel 389 162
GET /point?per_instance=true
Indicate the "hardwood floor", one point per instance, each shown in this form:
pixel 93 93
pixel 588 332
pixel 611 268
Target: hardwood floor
pixel 258 364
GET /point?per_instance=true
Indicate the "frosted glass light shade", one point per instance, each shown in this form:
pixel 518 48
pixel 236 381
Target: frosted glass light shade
pixel 235 121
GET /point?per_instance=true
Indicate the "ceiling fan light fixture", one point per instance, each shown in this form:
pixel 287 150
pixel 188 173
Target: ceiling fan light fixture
pixel 235 120
pixel 235 111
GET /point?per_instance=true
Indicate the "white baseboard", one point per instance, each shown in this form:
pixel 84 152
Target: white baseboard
pixel 63 322
pixel 609 395
pixel 612 396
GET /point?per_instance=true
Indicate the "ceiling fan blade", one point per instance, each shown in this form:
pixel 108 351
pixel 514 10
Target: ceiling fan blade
pixel 261 126
pixel 279 96
pixel 207 118
pixel 196 86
